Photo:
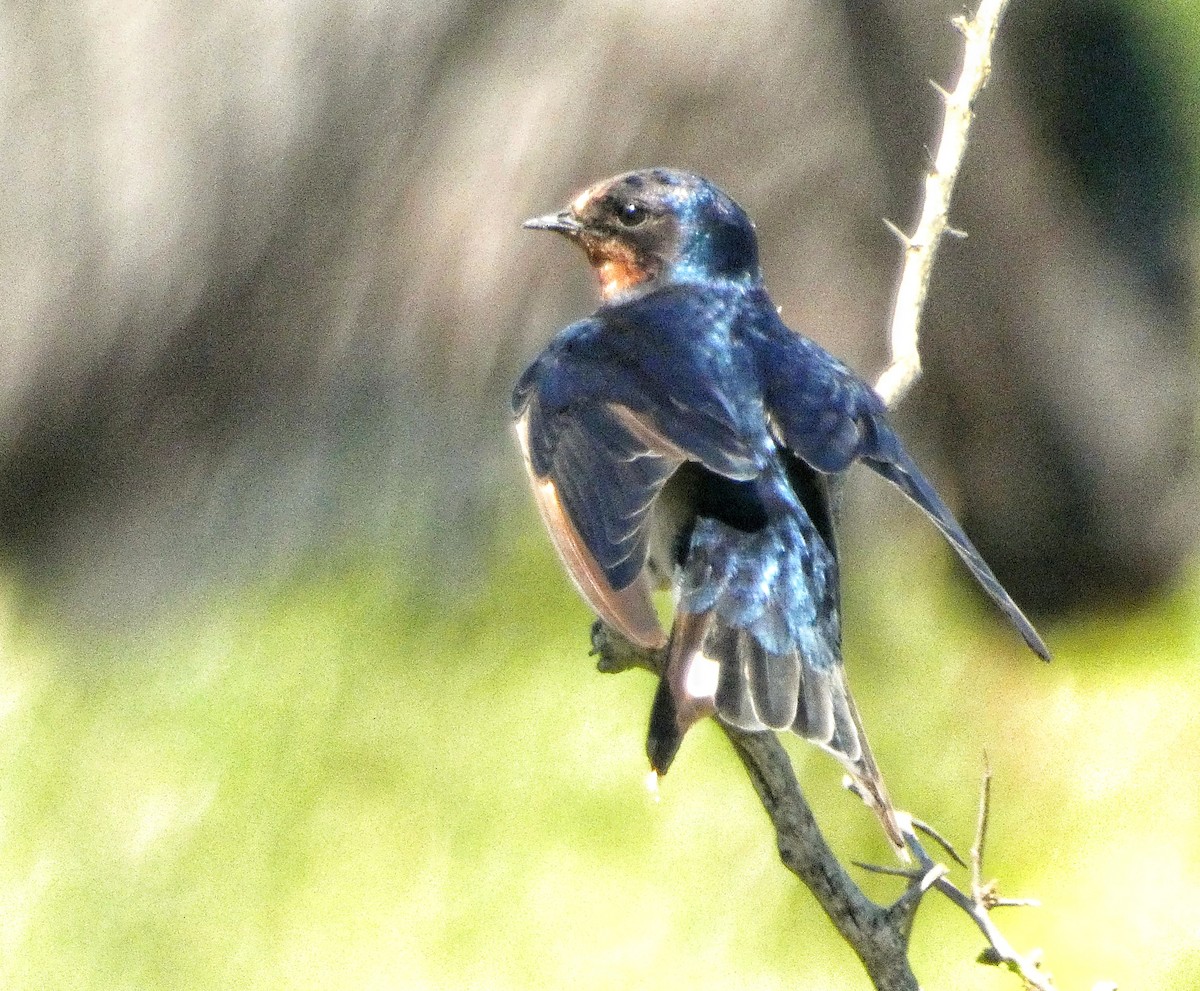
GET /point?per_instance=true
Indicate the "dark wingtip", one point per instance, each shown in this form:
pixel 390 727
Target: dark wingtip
pixel 1038 646
pixel 663 737
pixel 1019 620
pixel 900 469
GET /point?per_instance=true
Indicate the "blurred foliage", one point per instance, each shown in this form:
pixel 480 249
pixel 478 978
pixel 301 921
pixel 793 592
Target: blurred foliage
pixel 334 784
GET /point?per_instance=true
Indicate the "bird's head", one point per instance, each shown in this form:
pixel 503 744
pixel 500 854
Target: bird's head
pixel 647 228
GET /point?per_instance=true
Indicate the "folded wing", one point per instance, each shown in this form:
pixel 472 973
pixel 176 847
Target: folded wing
pixel 830 418
pixel 602 429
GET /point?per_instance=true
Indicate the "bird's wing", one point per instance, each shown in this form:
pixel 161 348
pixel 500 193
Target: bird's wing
pixel 604 420
pixel 815 404
pixel 615 532
pixel 829 417
pixel 899 468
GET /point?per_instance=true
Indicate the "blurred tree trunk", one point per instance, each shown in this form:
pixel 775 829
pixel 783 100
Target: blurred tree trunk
pixel 266 287
pixel 1059 341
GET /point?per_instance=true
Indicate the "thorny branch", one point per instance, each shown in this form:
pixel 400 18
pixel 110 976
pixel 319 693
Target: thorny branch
pixel 880 934
pixel 920 250
pixel 982 899
pixel 874 935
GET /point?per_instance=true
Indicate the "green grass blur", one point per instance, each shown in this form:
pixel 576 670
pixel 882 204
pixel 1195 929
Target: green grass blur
pixel 338 784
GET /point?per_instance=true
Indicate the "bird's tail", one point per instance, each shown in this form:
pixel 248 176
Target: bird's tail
pixel 900 469
pixel 849 745
pixel 713 668
pixel 756 641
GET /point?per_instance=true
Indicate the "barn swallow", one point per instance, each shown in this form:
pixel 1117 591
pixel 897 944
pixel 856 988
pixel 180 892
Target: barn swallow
pixel 684 437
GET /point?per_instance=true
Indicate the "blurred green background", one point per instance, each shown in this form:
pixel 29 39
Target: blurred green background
pixel 335 784
pixel 330 769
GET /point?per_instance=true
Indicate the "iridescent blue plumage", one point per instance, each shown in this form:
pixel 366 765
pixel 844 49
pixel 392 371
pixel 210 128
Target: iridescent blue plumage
pixel 683 433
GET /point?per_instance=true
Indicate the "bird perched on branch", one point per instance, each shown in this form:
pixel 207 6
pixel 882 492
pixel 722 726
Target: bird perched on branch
pixel 683 436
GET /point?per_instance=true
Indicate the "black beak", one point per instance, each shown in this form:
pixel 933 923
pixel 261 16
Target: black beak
pixel 563 223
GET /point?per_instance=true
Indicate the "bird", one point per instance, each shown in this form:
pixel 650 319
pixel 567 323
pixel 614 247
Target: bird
pixel 684 437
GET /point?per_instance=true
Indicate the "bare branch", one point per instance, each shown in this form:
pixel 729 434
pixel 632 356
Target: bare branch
pixel 877 934
pixel 920 250
pixel 983 898
pixel 871 930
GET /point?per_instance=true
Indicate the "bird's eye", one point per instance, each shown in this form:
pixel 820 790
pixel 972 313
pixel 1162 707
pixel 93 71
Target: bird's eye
pixel 632 214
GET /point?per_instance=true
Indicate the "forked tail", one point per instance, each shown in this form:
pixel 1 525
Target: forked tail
pixel 756 641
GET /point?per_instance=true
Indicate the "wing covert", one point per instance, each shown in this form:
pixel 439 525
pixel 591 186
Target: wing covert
pixel 818 407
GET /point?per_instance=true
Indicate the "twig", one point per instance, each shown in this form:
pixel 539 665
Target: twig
pixel 878 934
pixel 920 250
pixel 981 825
pixel 983 899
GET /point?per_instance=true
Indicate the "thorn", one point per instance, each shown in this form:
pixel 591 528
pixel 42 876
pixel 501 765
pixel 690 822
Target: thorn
pixel 962 24
pixel 1014 903
pixel 941 841
pixel 940 90
pixel 955 232
pixel 913 876
pixel 932 876
pixel 905 241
